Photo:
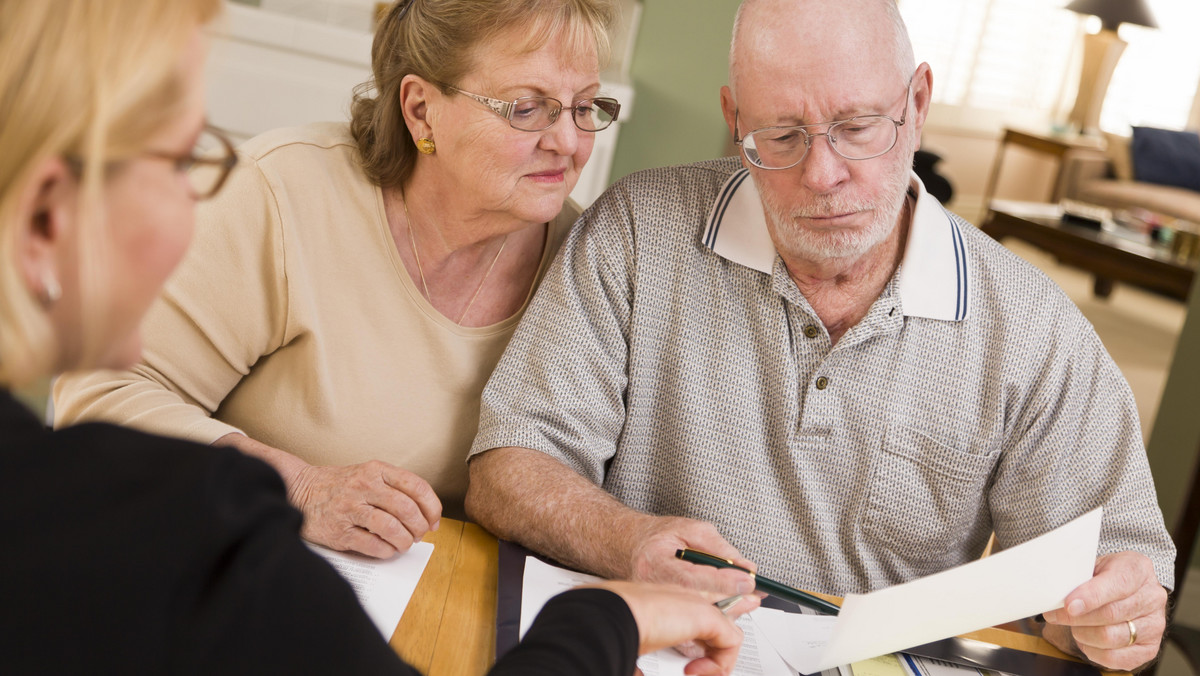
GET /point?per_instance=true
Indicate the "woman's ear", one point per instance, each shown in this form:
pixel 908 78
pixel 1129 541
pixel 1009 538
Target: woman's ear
pixel 415 95
pixel 45 211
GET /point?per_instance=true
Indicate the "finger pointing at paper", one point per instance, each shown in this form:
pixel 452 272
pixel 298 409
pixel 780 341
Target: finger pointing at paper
pixel 1117 618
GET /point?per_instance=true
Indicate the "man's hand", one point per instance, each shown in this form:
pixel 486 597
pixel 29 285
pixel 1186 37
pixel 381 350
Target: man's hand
pixel 653 557
pixel 1095 619
pixel 373 508
pixel 668 615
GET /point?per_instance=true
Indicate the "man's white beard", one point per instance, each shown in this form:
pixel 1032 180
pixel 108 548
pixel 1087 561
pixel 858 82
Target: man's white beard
pixel 835 243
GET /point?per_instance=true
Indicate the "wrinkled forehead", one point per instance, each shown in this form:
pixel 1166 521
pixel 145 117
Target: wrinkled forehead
pixel 787 93
pixel 838 56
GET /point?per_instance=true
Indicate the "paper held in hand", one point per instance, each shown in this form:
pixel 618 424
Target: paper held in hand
pixel 1028 579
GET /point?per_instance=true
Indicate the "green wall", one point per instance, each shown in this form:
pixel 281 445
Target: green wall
pixel 1175 438
pixel 680 62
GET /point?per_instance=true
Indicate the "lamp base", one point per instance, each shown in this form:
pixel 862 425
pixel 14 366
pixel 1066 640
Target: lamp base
pixel 1101 52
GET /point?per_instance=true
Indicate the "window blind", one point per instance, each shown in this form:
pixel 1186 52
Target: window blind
pixel 1020 59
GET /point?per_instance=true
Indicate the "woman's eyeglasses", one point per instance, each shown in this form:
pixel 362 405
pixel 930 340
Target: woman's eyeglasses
pixel 207 165
pixel 539 113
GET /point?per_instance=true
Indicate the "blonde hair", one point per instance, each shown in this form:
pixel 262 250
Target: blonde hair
pixel 435 40
pixel 83 80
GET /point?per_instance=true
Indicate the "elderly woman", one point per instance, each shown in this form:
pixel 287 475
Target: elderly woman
pixel 130 553
pixel 353 287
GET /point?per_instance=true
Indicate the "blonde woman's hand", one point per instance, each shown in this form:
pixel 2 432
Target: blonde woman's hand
pixel 668 615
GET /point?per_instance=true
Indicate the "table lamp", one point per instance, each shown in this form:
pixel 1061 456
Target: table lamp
pixel 1101 51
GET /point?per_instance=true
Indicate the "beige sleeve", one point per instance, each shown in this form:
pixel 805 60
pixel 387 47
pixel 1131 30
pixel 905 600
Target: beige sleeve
pixel 224 309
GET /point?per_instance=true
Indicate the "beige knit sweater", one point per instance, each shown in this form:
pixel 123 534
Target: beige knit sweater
pixel 293 319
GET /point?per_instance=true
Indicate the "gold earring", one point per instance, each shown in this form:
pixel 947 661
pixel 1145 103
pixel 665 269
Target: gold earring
pixel 426 146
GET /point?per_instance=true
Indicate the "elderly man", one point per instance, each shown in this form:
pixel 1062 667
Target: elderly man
pixel 802 360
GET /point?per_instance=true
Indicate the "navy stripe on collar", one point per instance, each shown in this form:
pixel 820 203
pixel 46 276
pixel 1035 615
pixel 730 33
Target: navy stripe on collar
pixel 960 264
pixel 718 212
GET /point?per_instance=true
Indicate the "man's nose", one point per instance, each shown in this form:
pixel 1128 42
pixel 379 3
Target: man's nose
pixel 822 167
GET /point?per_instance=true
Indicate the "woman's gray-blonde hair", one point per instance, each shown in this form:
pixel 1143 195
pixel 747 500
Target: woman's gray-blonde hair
pixel 435 40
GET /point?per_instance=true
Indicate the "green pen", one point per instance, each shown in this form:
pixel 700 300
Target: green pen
pixel 762 584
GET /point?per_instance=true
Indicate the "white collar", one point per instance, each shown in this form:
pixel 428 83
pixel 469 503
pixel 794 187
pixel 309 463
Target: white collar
pixel 933 274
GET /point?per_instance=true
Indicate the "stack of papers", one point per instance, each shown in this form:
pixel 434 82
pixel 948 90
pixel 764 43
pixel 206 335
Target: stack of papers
pixel 383 586
pixel 1020 582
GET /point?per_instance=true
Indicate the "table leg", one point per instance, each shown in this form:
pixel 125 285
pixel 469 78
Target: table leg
pixel 994 176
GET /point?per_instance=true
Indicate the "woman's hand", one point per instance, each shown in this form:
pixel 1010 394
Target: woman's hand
pixel 668 615
pixel 373 508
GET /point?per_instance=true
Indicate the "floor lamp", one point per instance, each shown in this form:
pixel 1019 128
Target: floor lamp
pixel 1101 51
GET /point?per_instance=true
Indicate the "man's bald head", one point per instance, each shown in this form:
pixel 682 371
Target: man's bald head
pixel 815 34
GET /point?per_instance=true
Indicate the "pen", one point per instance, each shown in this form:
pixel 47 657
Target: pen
pixel 762 584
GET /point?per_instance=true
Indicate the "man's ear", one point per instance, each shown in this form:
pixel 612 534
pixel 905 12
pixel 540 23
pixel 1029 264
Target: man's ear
pixel 729 110
pixel 922 91
pixel 45 211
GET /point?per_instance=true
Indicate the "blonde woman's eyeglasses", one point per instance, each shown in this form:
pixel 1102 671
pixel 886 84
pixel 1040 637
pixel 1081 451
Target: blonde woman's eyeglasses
pixel 207 165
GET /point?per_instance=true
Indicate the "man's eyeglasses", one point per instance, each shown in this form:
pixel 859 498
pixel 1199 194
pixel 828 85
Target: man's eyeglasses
pixel 538 113
pixel 858 138
pixel 207 165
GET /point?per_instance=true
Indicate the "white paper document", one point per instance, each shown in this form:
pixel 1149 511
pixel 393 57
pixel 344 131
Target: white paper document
pixel 1031 578
pixel 383 586
pixel 543 581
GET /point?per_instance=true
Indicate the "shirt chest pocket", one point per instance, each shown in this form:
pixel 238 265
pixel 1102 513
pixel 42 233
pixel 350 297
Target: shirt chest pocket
pixel 924 496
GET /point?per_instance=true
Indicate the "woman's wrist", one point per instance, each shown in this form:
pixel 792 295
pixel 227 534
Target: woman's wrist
pixel 290 468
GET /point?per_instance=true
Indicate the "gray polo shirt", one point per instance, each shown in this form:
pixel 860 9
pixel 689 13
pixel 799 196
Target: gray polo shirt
pixel 669 358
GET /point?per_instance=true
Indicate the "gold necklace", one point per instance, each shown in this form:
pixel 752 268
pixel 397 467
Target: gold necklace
pixel 421 271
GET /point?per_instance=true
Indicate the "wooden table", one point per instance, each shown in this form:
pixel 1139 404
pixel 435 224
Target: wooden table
pixel 1055 146
pixel 1108 256
pixel 449 627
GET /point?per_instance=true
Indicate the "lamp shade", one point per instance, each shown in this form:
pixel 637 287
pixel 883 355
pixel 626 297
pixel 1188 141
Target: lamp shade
pixel 1113 13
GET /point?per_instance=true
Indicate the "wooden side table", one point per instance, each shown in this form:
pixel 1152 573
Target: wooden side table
pixel 1057 146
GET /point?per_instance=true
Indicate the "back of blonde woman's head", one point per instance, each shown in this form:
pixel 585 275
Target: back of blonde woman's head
pixel 84 80
pixel 435 40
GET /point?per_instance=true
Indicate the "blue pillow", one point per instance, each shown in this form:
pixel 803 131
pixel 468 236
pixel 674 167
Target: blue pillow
pixel 1166 157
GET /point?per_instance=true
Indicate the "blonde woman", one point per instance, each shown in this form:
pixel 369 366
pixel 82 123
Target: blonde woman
pixel 353 287
pixel 129 553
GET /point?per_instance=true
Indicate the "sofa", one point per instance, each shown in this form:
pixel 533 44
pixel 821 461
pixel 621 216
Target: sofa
pixel 1128 176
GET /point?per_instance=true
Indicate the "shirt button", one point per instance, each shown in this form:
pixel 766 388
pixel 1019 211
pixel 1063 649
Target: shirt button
pixel 811 331
pixel 822 383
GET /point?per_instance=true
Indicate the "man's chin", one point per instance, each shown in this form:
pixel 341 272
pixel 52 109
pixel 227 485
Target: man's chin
pixel 823 246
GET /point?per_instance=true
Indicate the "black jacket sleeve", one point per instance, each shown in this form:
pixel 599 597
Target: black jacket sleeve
pixel 586 632
pixel 130 553
pixel 135 554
